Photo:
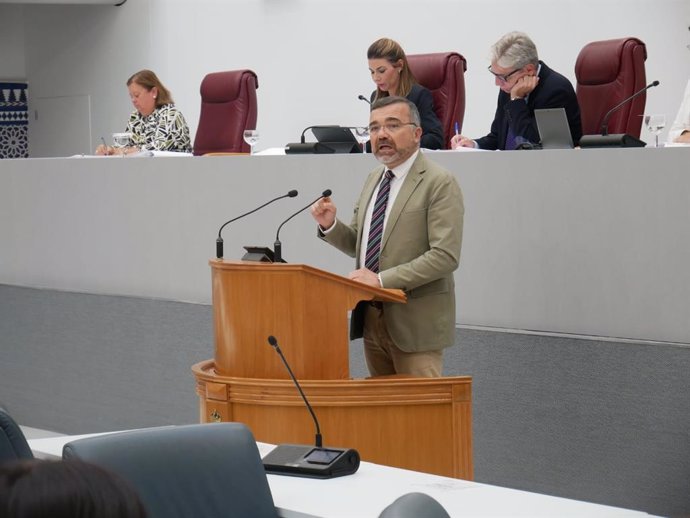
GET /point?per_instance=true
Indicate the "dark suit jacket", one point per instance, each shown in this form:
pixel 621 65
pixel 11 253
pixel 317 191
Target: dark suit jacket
pixel 432 132
pixel 420 250
pixel 553 91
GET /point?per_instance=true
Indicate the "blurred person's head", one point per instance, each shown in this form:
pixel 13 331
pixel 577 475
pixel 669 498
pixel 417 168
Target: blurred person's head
pixel 512 57
pixel 147 92
pixel 389 68
pixel 65 489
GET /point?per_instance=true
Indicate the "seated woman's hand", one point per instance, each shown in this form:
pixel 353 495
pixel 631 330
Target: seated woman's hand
pixel 105 150
pixel 683 138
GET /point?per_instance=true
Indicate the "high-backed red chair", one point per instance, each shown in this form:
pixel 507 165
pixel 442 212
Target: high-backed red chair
pixel 444 74
pixel 228 107
pixel 608 72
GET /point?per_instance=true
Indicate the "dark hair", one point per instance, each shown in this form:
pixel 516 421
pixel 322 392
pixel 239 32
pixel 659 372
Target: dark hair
pixel 395 99
pixel 391 51
pixel 65 489
pixel 148 79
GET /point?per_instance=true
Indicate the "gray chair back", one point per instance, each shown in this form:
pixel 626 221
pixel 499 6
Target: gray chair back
pixel 193 471
pixel 414 505
pixel 13 444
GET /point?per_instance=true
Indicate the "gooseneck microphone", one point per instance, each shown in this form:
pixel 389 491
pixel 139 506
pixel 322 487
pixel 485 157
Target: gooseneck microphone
pixel 309 461
pixel 219 240
pixel 605 122
pixel 274 343
pixel 278 246
pixel 362 98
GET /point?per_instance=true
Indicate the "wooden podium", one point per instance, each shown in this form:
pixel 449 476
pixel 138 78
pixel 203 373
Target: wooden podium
pixel 424 424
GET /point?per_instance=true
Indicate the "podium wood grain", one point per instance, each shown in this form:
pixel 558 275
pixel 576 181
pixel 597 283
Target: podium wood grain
pixel 423 424
pixel 303 307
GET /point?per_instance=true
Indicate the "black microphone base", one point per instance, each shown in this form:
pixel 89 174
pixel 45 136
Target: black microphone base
pixel 309 148
pixel 311 462
pixel 616 140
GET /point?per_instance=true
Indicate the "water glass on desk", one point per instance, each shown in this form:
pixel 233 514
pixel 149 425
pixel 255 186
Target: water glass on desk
pixel 251 137
pixel 362 136
pixel 122 140
pixel 654 124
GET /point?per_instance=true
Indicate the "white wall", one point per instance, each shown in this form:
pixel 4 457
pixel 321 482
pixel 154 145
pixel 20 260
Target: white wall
pixel 12 61
pixel 310 54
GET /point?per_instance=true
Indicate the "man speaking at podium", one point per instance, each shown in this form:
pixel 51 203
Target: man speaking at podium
pixel 406 233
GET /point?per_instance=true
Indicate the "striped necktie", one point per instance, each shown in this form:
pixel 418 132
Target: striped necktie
pixel 371 261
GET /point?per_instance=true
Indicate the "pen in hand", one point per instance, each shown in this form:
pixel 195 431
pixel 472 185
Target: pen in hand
pixel 105 146
pixel 457 128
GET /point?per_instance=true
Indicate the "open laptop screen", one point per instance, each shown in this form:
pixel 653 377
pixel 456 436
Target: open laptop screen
pixel 553 128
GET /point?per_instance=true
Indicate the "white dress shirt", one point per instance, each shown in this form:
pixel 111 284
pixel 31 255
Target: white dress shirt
pixel 399 174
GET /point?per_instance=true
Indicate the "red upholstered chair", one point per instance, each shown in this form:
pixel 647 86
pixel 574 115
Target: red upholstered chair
pixel 444 74
pixel 228 107
pixel 607 72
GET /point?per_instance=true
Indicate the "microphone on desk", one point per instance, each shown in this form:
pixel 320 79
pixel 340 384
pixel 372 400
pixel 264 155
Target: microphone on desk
pixel 308 461
pixel 619 139
pixel 219 240
pixel 362 98
pixel 278 246
pixel 605 122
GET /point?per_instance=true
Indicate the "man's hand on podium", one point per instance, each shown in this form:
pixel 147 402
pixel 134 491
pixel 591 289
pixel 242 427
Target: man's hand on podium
pixel 365 276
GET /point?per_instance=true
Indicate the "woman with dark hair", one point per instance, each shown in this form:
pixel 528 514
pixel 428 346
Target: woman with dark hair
pixel 391 72
pixel 156 124
pixel 65 489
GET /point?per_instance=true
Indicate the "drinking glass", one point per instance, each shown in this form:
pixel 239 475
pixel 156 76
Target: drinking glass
pixel 655 123
pixel 122 140
pixel 362 136
pixel 251 137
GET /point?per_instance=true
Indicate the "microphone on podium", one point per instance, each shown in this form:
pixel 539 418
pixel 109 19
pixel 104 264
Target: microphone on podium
pixel 362 98
pixel 619 139
pixel 219 240
pixel 278 246
pixel 308 461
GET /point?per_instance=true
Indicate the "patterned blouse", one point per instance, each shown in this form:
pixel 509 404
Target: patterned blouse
pixel 164 130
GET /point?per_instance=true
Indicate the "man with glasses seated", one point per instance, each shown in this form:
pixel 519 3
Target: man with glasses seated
pixel 526 84
pixel 405 233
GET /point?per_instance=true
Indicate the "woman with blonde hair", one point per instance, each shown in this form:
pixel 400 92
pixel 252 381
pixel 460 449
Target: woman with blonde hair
pixel 391 72
pixel 155 124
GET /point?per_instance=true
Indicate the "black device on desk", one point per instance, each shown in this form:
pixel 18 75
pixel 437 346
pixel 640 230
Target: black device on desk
pixel 554 131
pixel 330 139
pixel 309 461
pixel 261 254
pixel 339 138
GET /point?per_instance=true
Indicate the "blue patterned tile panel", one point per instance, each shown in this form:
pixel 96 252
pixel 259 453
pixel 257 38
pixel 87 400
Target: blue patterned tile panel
pixel 14 121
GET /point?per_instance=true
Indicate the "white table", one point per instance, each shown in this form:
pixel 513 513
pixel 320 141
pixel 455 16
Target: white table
pixel 366 493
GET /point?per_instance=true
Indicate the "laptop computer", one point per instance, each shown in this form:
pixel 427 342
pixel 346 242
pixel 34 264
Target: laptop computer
pixel 553 128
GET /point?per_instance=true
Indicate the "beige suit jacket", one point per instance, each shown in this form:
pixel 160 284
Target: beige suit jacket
pixel 420 250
